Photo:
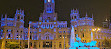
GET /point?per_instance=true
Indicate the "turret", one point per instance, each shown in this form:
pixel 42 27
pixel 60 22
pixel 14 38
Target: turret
pixel 92 16
pixel 5 16
pixel 49 12
pixel 49 6
pixel 106 23
pixel 86 15
pixel 74 14
pixel 74 17
pixel 19 14
pixel 19 17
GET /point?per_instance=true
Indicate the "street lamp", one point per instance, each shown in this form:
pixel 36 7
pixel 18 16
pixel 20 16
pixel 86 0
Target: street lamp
pixel 95 30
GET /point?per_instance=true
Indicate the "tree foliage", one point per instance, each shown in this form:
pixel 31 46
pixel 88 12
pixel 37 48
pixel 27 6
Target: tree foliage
pixel 106 43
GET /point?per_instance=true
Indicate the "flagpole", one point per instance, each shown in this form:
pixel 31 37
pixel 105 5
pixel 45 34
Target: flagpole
pixel 29 36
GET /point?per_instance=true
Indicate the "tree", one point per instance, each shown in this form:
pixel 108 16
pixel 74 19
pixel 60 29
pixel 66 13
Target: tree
pixel 12 45
pixel 106 43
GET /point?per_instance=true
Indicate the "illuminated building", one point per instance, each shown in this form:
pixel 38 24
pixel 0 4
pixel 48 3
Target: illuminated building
pixel 48 32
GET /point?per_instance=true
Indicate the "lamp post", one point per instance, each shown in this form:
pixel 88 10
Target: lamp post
pixel 96 30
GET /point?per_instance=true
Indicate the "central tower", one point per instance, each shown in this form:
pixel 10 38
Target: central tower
pixel 49 11
pixel 49 6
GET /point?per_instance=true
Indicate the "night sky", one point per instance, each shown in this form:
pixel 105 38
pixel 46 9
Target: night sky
pixel 33 8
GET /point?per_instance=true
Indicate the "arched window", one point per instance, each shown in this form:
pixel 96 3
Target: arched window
pixel 99 44
pixel 21 17
pixel 75 17
pixel 47 37
pixel 83 34
pixel 18 17
pixel 72 17
pixel 60 45
pixel 30 37
pixel 8 35
pixel 17 36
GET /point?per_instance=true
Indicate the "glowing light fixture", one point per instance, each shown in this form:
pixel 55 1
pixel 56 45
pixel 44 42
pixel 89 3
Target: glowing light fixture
pixel 49 0
pixel 99 29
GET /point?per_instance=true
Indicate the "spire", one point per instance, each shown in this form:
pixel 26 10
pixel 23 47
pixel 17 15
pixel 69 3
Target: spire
pixel 73 9
pixel 76 8
pixel 86 14
pixel 2 16
pixel 92 15
pixel 5 15
pixel 106 19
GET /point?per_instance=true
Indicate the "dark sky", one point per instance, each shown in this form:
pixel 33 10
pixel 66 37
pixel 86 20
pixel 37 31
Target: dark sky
pixel 33 8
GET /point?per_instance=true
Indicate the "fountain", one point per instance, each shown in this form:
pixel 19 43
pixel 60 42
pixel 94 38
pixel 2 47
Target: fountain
pixel 78 44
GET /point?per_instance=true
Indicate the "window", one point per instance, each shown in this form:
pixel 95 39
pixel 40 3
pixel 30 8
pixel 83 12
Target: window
pixel 60 31
pixel 60 45
pixel 7 30
pixel 83 34
pixel 75 30
pixel 64 36
pixel 75 35
pixel 54 46
pixel 17 30
pixel 72 17
pixel 54 36
pixel 21 17
pixel 50 9
pixel 21 31
pixel 18 17
pixel 83 41
pixel 51 25
pixel 47 37
pixel 75 17
pixel 11 30
pixel 21 36
pixel 34 44
pixel 8 35
pixel 60 36
pixel 39 30
pixel 30 37
pixel 26 32
pixel 99 44
pixel 81 29
pixel 54 30
pixel 64 31
pixel 102 44
pixel 68 36
pixel 17 36
pixel 68 31
pixel 39 44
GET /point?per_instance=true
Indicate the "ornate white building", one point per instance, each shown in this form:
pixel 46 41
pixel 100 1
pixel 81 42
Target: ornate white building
pixel 48 32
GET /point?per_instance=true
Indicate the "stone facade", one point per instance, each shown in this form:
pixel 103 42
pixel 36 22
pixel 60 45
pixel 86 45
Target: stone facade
pixel 48 32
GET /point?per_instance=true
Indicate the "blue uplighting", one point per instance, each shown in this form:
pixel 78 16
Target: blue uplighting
pixel 52 1
pixel 49 11
pixel 78 44
pixel 45 1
